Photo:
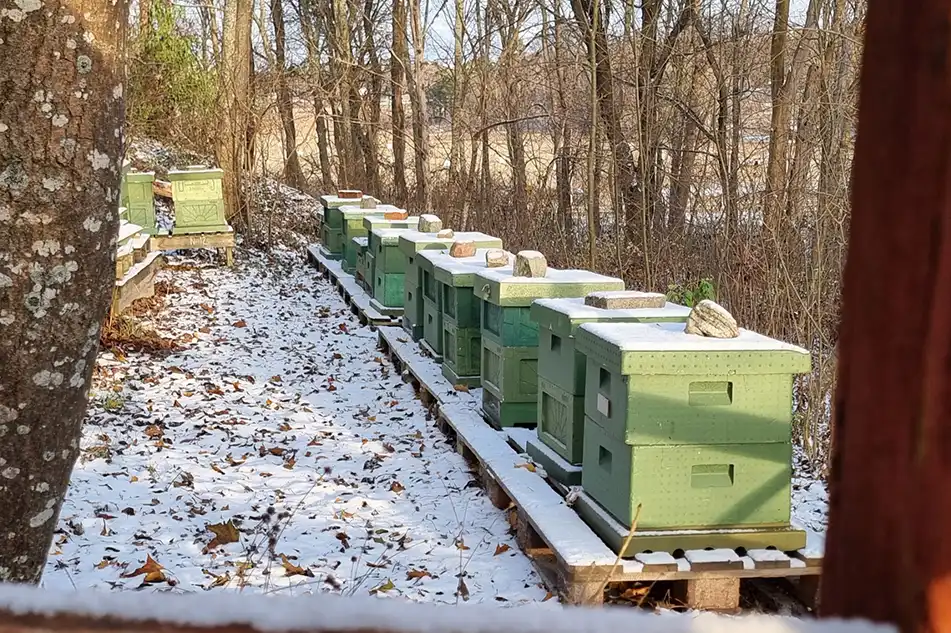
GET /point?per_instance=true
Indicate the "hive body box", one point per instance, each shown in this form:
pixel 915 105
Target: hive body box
pixel 352 226
pixel 332 227
pixel 379 222
pixel 456 327
pixel 696 429
pixel 561 371
pixel 411 244
pixel 360 248
pixel 199 203
pixel 510 337
pixel 138 199
pixel 389 265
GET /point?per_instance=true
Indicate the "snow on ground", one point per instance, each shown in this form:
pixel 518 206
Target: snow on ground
pixel 283 428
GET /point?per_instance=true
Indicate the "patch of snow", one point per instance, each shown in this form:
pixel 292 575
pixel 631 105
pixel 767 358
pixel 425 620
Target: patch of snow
pixel 652 337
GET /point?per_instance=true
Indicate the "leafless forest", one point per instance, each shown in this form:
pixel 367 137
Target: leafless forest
pixel 693 147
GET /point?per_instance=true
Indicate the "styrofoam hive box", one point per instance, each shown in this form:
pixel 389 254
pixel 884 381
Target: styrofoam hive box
pixel 561 368
pixel 696 429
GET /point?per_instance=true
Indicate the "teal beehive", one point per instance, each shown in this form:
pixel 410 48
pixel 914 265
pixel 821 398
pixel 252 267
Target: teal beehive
pixel 510 337
pixel 352 225
pixel 372 222
pixel 695 429
pixel 332 225
pixel 411 244
pixel 456 324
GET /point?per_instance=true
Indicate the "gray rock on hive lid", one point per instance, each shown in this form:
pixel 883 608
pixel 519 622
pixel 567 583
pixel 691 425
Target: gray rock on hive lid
pixel 625 300
pixel 709 318
pixel 530 264
pixel 497 258
pixel 445 234
pixel 429 223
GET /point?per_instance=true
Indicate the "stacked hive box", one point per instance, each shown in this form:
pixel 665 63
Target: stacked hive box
pixel 510 337
pixel 372 222
pixel 138 199
pixel 352 226
pixel 411 244
pixel 455 323
pixel 389 266
pixel 360 247
pixel 561 371
pixel 199 202
pixel 696 429
pixel 332 227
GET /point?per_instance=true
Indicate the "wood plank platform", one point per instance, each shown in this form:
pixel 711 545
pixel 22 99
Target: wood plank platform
pixel 574 561
pixel 355 296
pixel 222 242
pixel 137 283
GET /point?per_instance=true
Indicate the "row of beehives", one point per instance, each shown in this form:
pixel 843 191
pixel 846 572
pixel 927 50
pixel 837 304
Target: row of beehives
pixel 195 191
pixel 638 400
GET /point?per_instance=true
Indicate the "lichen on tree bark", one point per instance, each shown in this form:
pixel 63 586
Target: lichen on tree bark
pixel 61 142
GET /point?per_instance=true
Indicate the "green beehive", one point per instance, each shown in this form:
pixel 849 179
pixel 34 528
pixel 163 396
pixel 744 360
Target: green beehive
pixel 696 429
pixel 199 202
pixel 360 248
pixel 389 270
pixel 510 336
pixel 138 199
pixel 352 218
pixel 561 368
pixel 411 244
pixel 331 230
pixel 451 312
pixel 379 222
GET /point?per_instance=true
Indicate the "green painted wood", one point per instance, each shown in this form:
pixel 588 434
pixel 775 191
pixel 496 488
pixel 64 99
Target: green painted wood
pixel 560 420
pixel 688 486
pixel 461 305
pixel 507 414
pixel 712 391
pixel 199 202
pixel 412 304
pixel 359 247
pixel 473 382
pixel 559 319
pixel 139 200
pixel 332 204
pixel 333 241
pixel 388 289
pixel 462 351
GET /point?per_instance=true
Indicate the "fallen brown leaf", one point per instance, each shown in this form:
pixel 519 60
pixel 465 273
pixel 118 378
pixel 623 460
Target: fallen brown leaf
pixel 501 549
pixel 290 569
pixel 224 533
pixel 416 574
pixel 241 323
pixel 150 568
pixel 153 431
pixel 462 388
pixel 397 487
pixel 527 466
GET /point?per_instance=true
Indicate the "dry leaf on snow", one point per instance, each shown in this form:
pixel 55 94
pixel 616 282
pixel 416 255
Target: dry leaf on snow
pixel 416 574
pixel 224 533
pixel 387 586
pixel 152 570
pixel 397 487
pixel 290 569
pixel 501 549
pixel 527 466
pixel 241 323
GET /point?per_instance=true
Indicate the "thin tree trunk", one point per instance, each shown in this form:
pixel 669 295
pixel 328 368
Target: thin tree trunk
pixel 890 514
pixel 308 15
pixel 60 166
pixel 374 94
pixel 341 64
pixel 420 111
pixel 399 60
pixel 234 99
pixel 458 85
pixel 293 174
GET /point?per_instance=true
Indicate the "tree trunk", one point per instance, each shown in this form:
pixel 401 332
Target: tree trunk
pixel 341 62
pixel 458 101
pixel 308 16
pixel 293 174
pixel 60 166
pixel 234 96
pixel 891 473
pixel 145 16
pixel 420 111
pixel 374 94
pixel 399 59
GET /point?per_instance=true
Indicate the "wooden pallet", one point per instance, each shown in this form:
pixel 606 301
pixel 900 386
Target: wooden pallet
pixel 345 283
pixel 222 242
pixel 137 283
pixel 574 562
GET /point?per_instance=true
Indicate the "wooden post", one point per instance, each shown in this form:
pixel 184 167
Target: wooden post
pixel 888 555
